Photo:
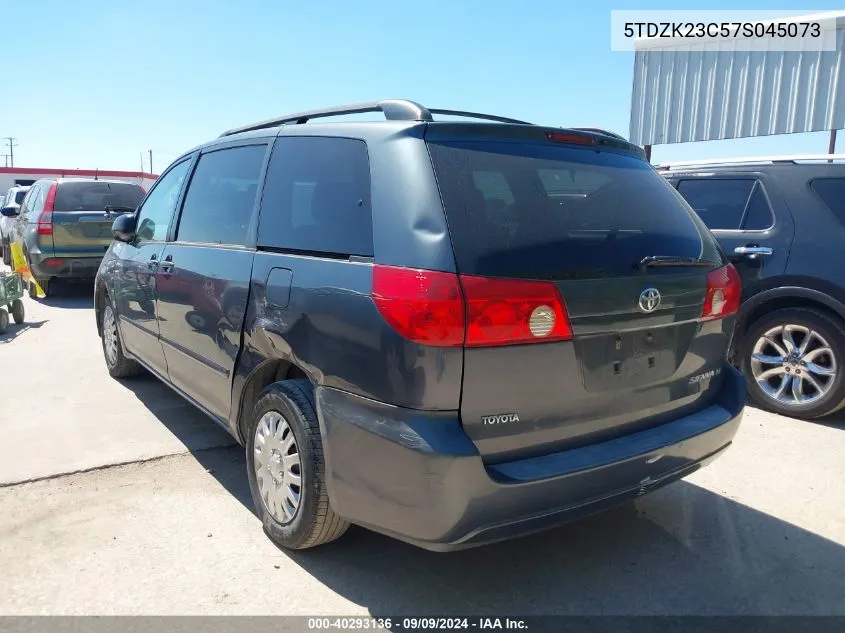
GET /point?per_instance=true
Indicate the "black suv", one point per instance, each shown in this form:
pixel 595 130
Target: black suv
pixel 449 332
pixel 782 222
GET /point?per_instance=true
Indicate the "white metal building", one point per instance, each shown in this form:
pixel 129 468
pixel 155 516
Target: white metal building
pixel 698 91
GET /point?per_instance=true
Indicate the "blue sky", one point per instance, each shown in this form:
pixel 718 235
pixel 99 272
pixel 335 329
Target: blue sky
pixel 98 82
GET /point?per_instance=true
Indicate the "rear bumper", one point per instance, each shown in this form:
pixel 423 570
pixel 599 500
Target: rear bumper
pixel 44 267
pixel 418 477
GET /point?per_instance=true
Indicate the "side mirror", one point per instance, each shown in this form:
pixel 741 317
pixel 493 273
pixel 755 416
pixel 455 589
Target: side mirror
pixel 123 228
pixel 10 212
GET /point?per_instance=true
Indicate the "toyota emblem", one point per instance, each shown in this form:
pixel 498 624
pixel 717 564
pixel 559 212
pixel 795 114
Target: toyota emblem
pixel 649 300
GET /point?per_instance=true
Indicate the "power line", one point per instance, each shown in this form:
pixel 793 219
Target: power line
pixel 12 145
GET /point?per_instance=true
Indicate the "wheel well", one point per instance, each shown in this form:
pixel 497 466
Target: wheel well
pixel 779 303
pixel 776 303
pixel 268 373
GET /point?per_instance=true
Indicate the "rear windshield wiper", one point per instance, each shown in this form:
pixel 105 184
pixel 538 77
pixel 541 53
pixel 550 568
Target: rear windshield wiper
pixel 670 260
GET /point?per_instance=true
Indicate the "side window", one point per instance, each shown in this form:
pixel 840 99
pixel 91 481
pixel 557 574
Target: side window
pixel 36 201
pixel 317 197
pixel 221 195
pixel 157 210
pixel 758 215
pixel 27 200
pixel 831 191
pixel 719 202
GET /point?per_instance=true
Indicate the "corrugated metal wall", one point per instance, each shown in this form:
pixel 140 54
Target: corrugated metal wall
pixel 683 95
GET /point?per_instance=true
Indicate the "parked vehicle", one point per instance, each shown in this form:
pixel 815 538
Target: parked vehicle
pixel 781 220
pixel 11 203
pixel 64 226
pixel 449 332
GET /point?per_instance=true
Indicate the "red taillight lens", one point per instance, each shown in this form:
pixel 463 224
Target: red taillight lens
pixel 422 305
pixel 45 219
pixel 510 312
pixel 724 292
pixel 445 310
pixel 569 137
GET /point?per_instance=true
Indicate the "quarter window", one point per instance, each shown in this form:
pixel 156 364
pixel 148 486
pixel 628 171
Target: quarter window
pixel 831 191
pixel 317 197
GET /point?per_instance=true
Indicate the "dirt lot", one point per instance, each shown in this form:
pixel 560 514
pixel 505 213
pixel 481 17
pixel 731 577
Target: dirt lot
pixel 160 522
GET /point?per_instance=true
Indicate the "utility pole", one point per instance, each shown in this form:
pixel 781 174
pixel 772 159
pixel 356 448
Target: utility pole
pixel 12 145
pixel 142 161
pixel 5 158
pixel 151 161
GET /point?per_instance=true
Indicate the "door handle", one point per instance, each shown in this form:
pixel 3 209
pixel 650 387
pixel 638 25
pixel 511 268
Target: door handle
pixel 753 251
pixel 166 266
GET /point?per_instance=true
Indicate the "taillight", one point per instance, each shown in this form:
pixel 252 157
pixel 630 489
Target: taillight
pixel 569 137
pixel 45 219
pixel 510 312
pixel 422 305
pixel 446 310
pixel 724 292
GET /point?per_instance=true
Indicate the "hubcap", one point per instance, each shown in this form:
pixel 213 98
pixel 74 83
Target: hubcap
pixel 793 365
pixel 277 467
pixel 110 335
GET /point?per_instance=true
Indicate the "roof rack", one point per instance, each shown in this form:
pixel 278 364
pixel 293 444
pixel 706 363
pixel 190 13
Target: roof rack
pixel 753 160
pixel 598 130
pixel 393 109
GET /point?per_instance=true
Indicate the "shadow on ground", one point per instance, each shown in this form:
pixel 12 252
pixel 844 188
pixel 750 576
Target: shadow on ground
pixel 681 550
pixel 16 331
pixel 192 428
pixel 69 295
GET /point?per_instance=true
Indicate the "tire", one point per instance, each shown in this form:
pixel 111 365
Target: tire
pixel 117 363
pixel 829 333
pixel 196 320
pixel 313 522
pixel 4 321
pixel 18 311
pixel 7 254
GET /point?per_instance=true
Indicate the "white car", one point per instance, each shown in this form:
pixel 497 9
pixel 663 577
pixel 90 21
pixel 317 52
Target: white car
pixel 13 198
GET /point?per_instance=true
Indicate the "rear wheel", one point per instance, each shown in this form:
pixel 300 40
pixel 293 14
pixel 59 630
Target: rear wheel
pixel 18 311
pixel 7 254
pixel 118 364
pixel 286 470
pixel 4 320
pixel 793 360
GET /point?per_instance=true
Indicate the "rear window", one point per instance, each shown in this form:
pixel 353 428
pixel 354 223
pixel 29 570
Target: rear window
pixel 831 191
pixel 96 195
pixel 552 212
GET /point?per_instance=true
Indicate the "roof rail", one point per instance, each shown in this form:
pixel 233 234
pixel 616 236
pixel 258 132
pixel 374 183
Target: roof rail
pixel 753 160
pixel 393 109
pixel 598 130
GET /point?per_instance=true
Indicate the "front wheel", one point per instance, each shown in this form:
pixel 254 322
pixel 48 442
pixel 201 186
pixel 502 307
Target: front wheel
pixel 286 469
pixel 793 360
pixel 4 321
pixel 117 363
pixel 7 254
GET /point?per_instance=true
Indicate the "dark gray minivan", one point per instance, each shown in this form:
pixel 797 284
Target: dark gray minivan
pixel 449 332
